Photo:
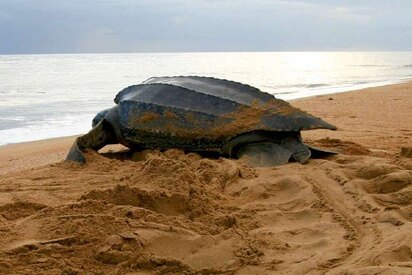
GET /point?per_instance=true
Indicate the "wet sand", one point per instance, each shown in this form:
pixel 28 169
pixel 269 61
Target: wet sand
pixel 176 213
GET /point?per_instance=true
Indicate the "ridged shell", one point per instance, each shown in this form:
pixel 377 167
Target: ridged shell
pixel 193 106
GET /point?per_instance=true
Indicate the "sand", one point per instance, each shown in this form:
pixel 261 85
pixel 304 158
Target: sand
pixel 176 213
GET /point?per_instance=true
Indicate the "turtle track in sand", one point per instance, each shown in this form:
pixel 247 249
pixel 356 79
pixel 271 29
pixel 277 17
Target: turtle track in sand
pixel 369 199
pixel 361 235
pixel 327 204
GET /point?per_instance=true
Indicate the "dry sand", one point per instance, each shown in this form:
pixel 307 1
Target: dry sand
pixel 172 213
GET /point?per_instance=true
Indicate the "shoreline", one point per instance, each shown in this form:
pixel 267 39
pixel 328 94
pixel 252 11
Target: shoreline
pixel 363 115
pixel 355 88
pixel 18 135
pixel 289 100
pixel 408 81
pixel 11 155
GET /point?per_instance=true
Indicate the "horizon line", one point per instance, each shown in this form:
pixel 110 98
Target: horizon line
pixel 184 52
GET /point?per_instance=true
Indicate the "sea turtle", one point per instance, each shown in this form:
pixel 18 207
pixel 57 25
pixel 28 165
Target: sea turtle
pixel 203 114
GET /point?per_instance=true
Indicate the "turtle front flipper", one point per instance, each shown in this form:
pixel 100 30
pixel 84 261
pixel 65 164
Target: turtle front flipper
pixel 95 139
pixel 263 154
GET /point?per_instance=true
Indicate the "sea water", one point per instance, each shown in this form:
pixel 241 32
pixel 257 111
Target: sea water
pixel 45 96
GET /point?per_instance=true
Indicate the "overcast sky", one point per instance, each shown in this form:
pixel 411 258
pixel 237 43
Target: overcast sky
pixel 84 26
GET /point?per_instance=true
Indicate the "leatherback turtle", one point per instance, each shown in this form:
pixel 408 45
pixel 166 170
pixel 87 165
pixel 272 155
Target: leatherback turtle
pixel 203 114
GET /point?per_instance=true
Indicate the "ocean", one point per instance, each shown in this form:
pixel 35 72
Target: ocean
pixel 45 96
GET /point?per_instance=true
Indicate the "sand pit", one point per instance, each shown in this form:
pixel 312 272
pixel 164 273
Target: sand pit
pixel 176 213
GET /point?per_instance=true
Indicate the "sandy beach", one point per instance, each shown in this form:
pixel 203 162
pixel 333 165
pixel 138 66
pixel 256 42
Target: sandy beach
pixel 176 213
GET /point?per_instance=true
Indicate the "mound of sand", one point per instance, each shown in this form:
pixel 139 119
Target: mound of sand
pixel 176 212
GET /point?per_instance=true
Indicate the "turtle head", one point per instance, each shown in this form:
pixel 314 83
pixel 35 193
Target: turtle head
pixel 99 117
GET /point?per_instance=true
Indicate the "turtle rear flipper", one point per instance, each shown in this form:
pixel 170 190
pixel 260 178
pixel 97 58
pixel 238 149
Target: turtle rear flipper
pixel 300 152
pixel 318 153
pixel 264 154
pixel 95 139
